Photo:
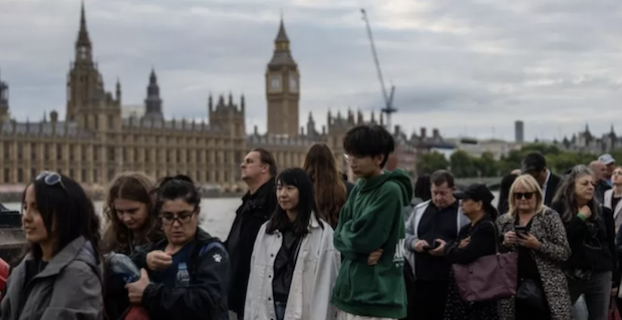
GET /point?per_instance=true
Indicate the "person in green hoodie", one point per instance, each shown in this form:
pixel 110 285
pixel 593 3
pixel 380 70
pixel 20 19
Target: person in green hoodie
pixel 370 233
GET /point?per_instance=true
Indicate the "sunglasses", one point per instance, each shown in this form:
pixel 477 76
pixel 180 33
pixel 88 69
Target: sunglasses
pixel 523 195
pixel 51 178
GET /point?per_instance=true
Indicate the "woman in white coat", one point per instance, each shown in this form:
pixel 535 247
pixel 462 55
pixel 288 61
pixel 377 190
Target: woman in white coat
pixel 613 197
pixel 294 264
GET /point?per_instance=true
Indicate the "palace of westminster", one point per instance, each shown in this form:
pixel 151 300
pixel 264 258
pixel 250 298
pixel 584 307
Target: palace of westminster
pixel 94 142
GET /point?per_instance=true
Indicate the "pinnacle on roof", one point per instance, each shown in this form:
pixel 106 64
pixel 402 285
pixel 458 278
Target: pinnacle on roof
pixel 83 34
pixel 153 79
pixel 282 35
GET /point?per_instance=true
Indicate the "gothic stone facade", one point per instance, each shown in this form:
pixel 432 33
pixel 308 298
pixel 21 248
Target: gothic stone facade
pixel 94 143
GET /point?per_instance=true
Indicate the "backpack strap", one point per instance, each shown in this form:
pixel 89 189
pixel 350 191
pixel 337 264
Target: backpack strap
pixel 206 248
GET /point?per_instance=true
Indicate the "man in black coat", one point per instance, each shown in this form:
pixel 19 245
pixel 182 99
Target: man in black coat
pixel 534 164
pixel 258 204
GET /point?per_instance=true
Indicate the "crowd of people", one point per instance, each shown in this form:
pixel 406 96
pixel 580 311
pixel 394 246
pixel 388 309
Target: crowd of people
pixel 307 244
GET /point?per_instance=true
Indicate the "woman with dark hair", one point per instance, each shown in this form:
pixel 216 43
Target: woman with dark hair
pixel 297 282
pixel 330 191
pixel 475 240
pixel 61 277
pixel 590 229
pixel 187 272
pixel 131 224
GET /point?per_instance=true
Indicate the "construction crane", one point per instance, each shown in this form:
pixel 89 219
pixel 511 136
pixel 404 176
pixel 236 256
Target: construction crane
pixel 388 98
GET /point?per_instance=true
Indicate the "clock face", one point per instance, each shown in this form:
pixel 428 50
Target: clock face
pixel 82 52
pixel 275 83
pixel 293 84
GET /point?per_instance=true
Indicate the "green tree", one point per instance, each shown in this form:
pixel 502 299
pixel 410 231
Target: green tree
pixel 462 165
pixel 486 165
pixel 430 162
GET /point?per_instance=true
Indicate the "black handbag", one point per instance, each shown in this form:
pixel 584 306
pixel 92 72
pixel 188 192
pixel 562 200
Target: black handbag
pixel 530 295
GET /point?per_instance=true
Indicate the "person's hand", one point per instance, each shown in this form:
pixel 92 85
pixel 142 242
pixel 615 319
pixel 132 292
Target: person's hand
pixel 158 260
pixel 135 289
pixel 439 251
pixel 586 211
pixel 510 238
pixel 464 242
pixel 420 244
pixel 528 240
pixel 374 257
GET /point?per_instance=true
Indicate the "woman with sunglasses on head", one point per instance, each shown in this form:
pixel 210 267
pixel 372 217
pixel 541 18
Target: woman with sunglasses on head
pixel 131 225
pixel 61 277
pixel 294 264
pixel 537 234
pixel 591 233
pixel 187 272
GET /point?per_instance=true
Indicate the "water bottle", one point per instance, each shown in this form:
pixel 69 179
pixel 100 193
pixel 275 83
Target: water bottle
pixel 123 266
pixel 183 277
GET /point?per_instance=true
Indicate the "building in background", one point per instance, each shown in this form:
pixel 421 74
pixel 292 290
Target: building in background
pixel 519 131
pixel 476 148
pixel 586 142
pixel 100 138
pixel 4 101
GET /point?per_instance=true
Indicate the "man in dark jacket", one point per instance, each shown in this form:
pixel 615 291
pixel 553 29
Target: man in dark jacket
pixel 258 204
pixel 599 170
pixel 534 164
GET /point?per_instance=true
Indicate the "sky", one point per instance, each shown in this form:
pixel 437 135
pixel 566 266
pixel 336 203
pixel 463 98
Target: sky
pixel 469 67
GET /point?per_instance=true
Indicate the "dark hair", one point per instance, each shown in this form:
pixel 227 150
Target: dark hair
pixel 369 141
pixel 298 178
pixel 504 192
pixel 177 187
pixel 268 159
pixel 67 204
pixel 490 210
pixel 422 188
pixel 441 176
pixel 534 161
pixel 329 189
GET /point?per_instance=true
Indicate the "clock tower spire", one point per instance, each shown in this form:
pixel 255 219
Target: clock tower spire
pixel 282 88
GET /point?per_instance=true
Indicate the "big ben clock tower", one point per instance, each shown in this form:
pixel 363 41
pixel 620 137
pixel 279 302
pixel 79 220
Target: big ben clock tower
pixel 282 88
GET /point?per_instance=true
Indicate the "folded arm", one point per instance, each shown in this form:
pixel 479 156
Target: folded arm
pixel 370 229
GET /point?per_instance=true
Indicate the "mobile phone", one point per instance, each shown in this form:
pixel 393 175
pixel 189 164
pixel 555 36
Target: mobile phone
pixel 520 229
pixel 433 246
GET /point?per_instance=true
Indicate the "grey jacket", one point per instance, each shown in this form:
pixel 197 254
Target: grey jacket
pixel 412 230
pixel 68 288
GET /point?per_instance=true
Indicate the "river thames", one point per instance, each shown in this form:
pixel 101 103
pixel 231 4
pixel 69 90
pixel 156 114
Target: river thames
pixel 217 214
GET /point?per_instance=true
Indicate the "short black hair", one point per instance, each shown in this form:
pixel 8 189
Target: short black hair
pixel 177 187
pixel 268 159
pixel 534 161
pixel 441 176
pixel 369 141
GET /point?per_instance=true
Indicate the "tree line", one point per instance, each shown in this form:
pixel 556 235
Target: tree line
pixel 463 165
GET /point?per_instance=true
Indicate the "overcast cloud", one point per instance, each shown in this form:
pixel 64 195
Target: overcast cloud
pixel 468 67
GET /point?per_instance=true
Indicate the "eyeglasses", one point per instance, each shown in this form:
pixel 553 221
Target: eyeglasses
pixel 51 178
pixel 617 173
pixel 523 195
pixel 169 219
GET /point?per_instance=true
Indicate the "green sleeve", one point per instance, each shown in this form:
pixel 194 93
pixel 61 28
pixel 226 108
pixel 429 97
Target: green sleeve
pixel 370 230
